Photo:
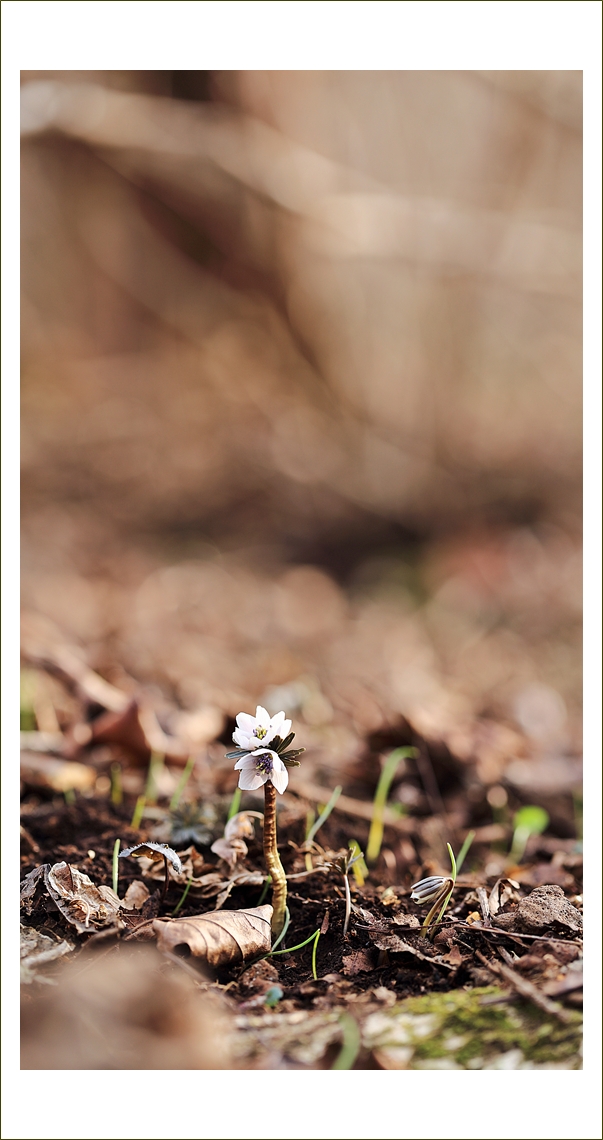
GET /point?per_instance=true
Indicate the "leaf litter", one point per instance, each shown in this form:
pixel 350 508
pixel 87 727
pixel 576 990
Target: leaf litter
pixel 285 1016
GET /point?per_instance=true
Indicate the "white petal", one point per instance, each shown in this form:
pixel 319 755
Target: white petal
pixel 246 721
pixel 242 738
pixel 262 717
pixel 277 720
pixel 280 775
pixel 285 728
pixel 246 762
pixel 249 781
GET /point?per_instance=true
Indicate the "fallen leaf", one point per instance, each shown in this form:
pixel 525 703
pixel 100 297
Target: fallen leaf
pixel 79 900
pixel 454 956
pixel 244 878
pixel 37 949
pixel 230 850
pixel 396 945
pixel 219 938
pixel 135 896
pixel 122 1011
pixel 410 921
pixel 30 884
pixel 503 890
pixel 232 846
pixel 358 962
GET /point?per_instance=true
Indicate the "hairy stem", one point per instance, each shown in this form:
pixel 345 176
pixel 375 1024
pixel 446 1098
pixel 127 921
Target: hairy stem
pixel 273 862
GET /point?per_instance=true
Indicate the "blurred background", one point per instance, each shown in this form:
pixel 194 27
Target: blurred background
pixel 302 402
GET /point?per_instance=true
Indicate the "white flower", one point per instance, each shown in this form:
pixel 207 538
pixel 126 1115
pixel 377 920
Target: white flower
pixel 258 731
pixel 258 767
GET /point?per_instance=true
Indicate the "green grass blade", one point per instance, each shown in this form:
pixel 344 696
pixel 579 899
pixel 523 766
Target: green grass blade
pixel 463 851
pixel 314 949
pixel 182 901
pixel 390 767
pixel 141 803
pixel 182 782
pixel 324 815
pixel 235 804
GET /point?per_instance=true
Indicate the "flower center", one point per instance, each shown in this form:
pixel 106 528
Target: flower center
pixel 264 764
pixel 260 732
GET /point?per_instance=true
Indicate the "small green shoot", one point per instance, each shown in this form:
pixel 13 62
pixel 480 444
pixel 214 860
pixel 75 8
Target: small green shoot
pixel 390 767
pixel 314 949
pixel 29 692
pixel 117 793
pixel 312 828
pixel 235 804
pixel 350 1048
pixel 182 782
pixel 182 901
pixel 344 864
pixel 359 867
pixel 116 847
pixel 141 803
pixel 464 850
pixel 529 820
pixel 324 815
pixel 69 795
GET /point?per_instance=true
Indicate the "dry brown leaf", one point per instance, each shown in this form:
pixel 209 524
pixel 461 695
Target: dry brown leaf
pixel 230 850
pixel 248 878
pixel 358 962
pixel 219 938
pixel 503 890
pixel 77 898
pixel 37 949
pixel 135 896
pixel 30 884
pixel 232 846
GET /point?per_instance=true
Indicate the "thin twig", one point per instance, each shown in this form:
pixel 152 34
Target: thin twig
pixel 482 895
pixel 525 989
pixel 507 934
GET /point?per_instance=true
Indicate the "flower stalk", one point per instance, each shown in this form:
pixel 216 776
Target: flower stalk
pixel 273 860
